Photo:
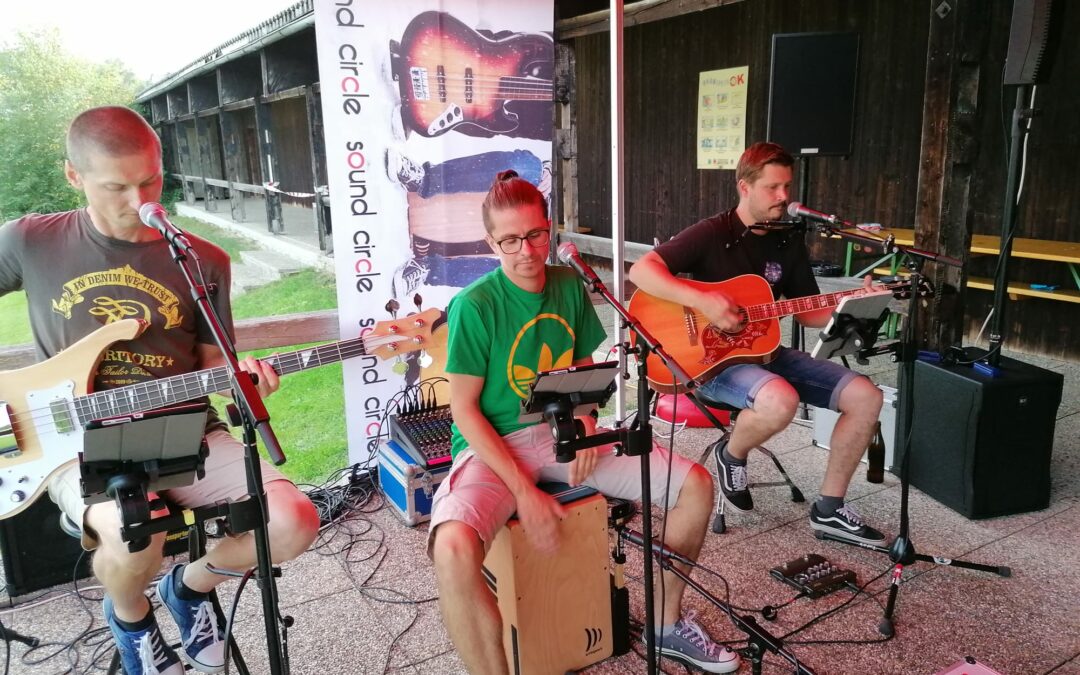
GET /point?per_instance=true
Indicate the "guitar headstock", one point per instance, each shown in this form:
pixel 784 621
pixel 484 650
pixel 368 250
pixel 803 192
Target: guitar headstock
pixel 402 335
pixel 901 289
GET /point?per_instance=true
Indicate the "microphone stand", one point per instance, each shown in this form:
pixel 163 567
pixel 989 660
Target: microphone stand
pixel 638 441
pixel 902 551
pixel 249 410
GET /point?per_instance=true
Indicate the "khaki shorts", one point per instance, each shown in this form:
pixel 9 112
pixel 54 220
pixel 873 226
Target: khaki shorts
pixel 474 495
pixel 226 479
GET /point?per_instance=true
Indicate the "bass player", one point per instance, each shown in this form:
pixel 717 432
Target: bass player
pixel 99 264
pixel 721 247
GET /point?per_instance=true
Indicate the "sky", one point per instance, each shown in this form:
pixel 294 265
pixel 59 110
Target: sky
pixel 150 42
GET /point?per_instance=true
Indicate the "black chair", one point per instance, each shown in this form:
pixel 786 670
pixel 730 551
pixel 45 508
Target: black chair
pixel 195 536
pixel 719 524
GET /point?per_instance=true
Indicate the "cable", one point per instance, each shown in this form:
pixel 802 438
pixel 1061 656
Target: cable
pixel 821 617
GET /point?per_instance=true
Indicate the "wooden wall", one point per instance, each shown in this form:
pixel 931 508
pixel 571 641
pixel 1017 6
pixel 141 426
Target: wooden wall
pixel 877 183
pixel 292 146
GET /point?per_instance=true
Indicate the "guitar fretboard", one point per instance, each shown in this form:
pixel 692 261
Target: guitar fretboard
pixel 167 391
pixel 773 310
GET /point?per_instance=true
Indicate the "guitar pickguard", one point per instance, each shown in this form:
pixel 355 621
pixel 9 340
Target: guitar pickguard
pixel 51 414
pixel 717 344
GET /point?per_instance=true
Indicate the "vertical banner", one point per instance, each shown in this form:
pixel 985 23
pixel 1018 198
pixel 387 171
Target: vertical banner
pixel 721 117
pixel 421 108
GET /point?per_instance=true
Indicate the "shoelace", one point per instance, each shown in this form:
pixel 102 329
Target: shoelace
pixel 738 477
pixel 693 632
pixel 849 513
pixel 204 626
pixel 152 652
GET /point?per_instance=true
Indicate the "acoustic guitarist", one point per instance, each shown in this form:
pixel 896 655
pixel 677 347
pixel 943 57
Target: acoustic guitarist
pixel 722 247
pixel 96 265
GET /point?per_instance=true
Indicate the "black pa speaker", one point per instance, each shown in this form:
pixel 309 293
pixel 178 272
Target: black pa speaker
pixel 1029 32
pixel 981 445
pixel 37 553
pixel 812 92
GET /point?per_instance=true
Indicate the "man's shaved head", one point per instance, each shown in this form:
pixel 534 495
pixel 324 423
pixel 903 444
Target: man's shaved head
pixel 113 131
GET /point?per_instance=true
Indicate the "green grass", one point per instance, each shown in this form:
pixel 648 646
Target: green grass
pixel 308 291
pixel 231 243
pixel 14 321
pixel 308 412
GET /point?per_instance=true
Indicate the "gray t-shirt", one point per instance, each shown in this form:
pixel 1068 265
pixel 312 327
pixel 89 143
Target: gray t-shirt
pixel 77 279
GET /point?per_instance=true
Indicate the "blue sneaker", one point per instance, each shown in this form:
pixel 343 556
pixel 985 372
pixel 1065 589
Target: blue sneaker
pixel 202 641
pixel 142 652
pixel 691 645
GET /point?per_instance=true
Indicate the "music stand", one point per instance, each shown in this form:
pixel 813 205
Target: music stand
pixel 127 456
pixel 560 396
pixel 854 325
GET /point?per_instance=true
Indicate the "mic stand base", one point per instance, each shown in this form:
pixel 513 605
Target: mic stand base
pixel 760 640
pixel 902 550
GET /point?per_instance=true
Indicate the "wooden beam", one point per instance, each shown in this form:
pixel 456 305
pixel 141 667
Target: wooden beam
pixel 952 114
pixel 635 13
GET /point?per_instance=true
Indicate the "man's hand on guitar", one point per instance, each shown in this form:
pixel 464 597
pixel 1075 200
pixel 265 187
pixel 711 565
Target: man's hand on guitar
pixel 540 513
pixel 268 380
pixel 720 311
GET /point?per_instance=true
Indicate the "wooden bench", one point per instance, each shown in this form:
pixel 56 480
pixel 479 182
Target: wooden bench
pixel 985 244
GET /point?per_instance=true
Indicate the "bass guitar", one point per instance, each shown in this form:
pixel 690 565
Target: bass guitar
pixel 44 408
pixel 703 350
pixel 451 76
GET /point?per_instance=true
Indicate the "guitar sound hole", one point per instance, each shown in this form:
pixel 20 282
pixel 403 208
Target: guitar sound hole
pixel 742 323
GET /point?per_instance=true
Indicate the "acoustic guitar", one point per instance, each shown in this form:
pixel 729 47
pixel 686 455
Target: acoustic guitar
pixel 703 350
pixel 44 408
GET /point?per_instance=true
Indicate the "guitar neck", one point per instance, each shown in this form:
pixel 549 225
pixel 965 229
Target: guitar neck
pixel 781 308
pixel 524 89
pixel 168 391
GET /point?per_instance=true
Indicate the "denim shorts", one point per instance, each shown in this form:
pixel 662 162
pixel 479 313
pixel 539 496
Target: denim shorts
pixel 817 381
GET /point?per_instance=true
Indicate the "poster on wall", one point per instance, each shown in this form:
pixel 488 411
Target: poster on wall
pixel 422 107
pixel 721 118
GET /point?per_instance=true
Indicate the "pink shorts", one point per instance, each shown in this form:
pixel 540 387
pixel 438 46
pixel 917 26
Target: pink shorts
pixel 474 495
pixel 226 479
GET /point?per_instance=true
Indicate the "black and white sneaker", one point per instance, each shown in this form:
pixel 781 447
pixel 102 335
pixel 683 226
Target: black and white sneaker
pixel 846 524
pixel 733 481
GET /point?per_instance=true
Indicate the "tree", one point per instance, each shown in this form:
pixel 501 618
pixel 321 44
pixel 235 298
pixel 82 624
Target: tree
pixel 42 87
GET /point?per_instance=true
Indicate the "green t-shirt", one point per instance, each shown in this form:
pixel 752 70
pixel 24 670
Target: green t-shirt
pixel 506 335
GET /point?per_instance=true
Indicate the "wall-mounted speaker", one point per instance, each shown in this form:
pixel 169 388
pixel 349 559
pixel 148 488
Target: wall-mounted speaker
pixel 812 92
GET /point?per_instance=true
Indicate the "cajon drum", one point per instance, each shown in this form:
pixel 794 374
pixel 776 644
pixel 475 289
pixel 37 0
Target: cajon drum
pixel 556 610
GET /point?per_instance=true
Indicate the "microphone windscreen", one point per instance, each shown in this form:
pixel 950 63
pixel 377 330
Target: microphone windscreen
pixel 566 251
pixel 793 209
pixel 149 209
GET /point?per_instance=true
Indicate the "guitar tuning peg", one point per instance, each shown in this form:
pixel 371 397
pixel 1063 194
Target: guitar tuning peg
pixel 392 307
pixel 417 300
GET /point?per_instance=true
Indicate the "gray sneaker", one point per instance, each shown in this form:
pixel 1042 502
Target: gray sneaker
pixel 691 645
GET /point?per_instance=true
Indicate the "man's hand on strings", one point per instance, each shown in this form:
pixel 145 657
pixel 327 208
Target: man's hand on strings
pixel 720 311
pixel 268 379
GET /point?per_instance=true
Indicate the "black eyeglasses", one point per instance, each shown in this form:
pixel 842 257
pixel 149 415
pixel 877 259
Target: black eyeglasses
pixel 537 238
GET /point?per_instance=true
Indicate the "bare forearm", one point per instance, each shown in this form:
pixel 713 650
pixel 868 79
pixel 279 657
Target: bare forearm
pixel 651 275
pixel 490 447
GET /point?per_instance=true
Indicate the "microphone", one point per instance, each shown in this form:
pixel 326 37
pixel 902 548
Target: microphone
pixel 153 215
pixel 658 548
pixel 568 255
pixel 797 210
pixel 777 225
